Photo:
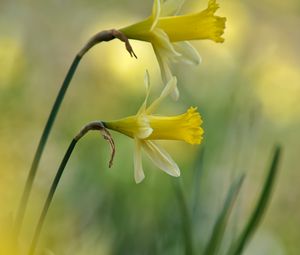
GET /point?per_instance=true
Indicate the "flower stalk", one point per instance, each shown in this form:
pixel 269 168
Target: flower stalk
pixel 103 36
pixel 97 125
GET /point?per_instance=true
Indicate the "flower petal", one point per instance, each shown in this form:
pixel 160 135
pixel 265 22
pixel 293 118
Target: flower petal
pixel 160 158
pixel 147 85
pixel 155 13
pixel 175 93
pixel 163 62
pixel 164 65
pixel 147 80
pixel 188 53
pixel 144 129
pixel 169 89
pixel 137 160
pixel 170 7
pixel 163 43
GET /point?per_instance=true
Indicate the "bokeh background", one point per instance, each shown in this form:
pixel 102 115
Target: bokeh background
pixel 247 90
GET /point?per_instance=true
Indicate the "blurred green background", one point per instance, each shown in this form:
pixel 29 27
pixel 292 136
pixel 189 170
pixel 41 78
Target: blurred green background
pixel 247 91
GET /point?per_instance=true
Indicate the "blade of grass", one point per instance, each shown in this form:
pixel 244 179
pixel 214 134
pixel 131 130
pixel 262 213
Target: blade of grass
pixel 185 216
pixel 198 170
pixel 221 222
pixel 261 205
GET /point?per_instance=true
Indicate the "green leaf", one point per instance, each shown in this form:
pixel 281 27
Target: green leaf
pixel 261 206
pixel 220 225
pixel 198 171
pixel 185 217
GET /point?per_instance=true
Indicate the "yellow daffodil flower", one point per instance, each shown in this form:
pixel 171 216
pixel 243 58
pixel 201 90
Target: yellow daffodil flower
pixel 144 128
pixel 169 34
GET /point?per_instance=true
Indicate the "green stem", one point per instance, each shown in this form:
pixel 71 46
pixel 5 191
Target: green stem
pixel 186 220
pixel 43 140
pixel 106 35
pixel 95 125
pixel 50 196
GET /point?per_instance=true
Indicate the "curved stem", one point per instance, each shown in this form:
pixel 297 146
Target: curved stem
pixel 50 196
pixel 97 125
pixel 106 35
pixel 41 146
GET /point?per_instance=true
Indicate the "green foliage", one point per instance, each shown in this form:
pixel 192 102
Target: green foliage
pixel 246 94
pixel 222 220
pixel 261 206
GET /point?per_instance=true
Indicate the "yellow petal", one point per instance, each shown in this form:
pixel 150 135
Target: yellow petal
pixel 169 88
pixel 147 85
pixel 163 62
pixel 155 13
pixel 161 41
pixel 171 7
pixel 137 160
pixel 161 158
pixel 144 128
pixel 175 93
pixel 188 53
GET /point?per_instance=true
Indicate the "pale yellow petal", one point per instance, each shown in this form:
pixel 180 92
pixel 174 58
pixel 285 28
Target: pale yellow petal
pixel 163 62
pixel 155 13
pixel 147 85
pixel 137 160
pixel 168 89
pixel 175 93
pixel 161 158
pixel 188 53
pixel 163 44
pixel 147 80
pixel 144 128
pixel 170 7
pixel 166 73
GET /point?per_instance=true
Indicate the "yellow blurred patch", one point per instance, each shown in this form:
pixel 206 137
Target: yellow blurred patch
pixel 10 59
pixel 116 61
pixel 279 91
pixel 121 65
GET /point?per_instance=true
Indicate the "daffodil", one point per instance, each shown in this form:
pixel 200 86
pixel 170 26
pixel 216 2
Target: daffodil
pixel 145 128
pixel 169 34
